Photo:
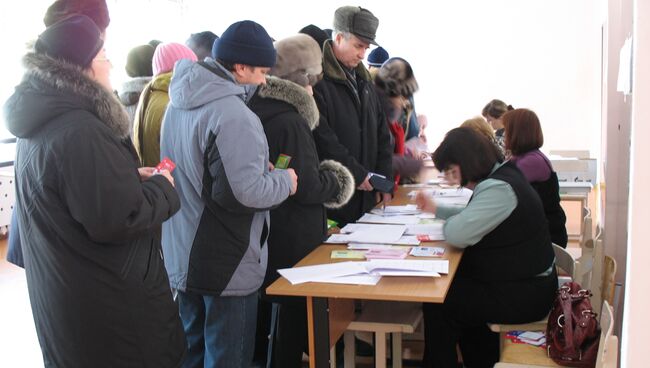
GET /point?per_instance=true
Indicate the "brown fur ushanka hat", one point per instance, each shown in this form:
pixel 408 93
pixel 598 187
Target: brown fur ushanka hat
pixel 299 60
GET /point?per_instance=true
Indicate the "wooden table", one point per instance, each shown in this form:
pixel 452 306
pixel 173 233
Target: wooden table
pixel 330 307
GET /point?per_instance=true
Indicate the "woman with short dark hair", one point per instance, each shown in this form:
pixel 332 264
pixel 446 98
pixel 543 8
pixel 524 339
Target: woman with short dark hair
pixel 507 272
pixel 524 138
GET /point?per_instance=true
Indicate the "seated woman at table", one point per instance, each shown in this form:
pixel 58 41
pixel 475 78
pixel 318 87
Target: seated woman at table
pixel 523 138
pixel 506 274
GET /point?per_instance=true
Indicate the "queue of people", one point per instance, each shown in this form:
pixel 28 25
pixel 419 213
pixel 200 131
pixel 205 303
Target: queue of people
pixel 132 265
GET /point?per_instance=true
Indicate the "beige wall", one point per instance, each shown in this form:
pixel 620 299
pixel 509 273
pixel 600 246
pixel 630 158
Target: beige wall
pixel 617 110
pixel 636 323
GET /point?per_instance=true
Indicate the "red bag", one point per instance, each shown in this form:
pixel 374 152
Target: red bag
pixel 572 333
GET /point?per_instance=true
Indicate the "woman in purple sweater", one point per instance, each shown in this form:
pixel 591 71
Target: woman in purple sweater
pixel 523 138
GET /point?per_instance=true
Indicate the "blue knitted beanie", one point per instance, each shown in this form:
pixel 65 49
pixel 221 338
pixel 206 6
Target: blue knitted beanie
pixel 245 42
pixel 377 57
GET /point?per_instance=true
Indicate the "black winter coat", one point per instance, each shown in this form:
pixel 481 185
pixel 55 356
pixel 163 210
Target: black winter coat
pixel 352 130
pixel 298 225
pixel 97 284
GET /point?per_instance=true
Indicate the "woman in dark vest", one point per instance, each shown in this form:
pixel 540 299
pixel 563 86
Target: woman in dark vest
pixel 506 274
pixel 523 138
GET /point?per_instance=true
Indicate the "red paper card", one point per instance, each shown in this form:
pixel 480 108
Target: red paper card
pixel 166 164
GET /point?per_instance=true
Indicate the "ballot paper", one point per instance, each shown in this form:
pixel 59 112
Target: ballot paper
pixel 409 209
pixel 338 272
pixel 434 231
pixel 397 219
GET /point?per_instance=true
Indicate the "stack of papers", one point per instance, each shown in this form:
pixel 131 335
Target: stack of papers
pixel 371 218
pixel 364 273
pixel 427 232
pixel 358 233
pixel 409 209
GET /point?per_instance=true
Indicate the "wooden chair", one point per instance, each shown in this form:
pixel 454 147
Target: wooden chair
pixel 382 318
pixel 523 355
pixel 565 262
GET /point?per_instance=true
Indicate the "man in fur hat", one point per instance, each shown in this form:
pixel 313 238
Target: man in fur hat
pixel 352 127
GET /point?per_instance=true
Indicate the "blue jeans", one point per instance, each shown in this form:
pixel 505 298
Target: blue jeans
pixel 220 330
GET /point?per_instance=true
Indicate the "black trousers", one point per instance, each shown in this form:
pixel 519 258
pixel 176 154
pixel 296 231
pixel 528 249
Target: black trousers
pixel 471 304
pixel 291 334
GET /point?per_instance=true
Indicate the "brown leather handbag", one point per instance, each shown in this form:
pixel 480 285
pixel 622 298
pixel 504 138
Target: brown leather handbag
pixel 572 333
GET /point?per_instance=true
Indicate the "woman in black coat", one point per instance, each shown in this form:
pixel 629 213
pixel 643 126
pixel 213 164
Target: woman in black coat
pixel 289 114
pixel 88 216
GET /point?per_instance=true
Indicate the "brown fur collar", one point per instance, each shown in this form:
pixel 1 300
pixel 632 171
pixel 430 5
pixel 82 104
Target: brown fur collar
pixel 70 78
pixel 293 94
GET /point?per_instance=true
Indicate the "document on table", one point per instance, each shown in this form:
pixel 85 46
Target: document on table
pixel 346 238
pixel 397 219
pixel 436 265
pixel 358 272
pixel 434 230
pixel 299 275
pixel 409 209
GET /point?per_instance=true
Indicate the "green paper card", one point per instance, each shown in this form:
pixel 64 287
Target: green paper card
pixel 282 162
pixel 331 224
pixel 356 254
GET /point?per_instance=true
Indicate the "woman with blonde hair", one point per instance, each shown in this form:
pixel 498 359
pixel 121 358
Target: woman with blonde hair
pixel 481 126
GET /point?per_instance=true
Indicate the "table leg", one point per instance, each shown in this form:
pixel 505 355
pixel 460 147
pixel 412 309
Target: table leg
pixel 318 328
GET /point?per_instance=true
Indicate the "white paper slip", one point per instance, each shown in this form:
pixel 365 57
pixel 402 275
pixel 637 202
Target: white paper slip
pixel 407 240
pixel 434 229
pixel 299 275
pixel 351 228
pixel 363 279
pixel 338 239
pixel 438 265
pixel 409 209
pixel 405 273
pixel 358 246
pixel 426 215
pixel 400 219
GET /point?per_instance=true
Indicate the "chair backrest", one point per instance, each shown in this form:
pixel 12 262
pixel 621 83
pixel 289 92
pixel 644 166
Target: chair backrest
pixel 565 261
pixel 608 285
pixel 608 346
pixel 586 259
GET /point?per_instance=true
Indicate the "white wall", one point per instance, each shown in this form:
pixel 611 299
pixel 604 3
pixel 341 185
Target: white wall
pixel 541 54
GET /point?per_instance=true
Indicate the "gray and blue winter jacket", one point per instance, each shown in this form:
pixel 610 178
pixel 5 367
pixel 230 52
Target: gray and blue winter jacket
pixel 216 243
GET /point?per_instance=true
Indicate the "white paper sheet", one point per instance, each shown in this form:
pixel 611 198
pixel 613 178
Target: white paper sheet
pixel 358 246
pixel 437 265
pixel 364 279
pixel 299 275
pixel 399 219
pixel 434 230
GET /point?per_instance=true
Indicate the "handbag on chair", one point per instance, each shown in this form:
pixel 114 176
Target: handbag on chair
pixel 572 333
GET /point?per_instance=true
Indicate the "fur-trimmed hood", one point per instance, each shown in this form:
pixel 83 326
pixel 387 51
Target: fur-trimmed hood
pixel 50 88
pixel 131 90
pixel 293 94
pixel 332 68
